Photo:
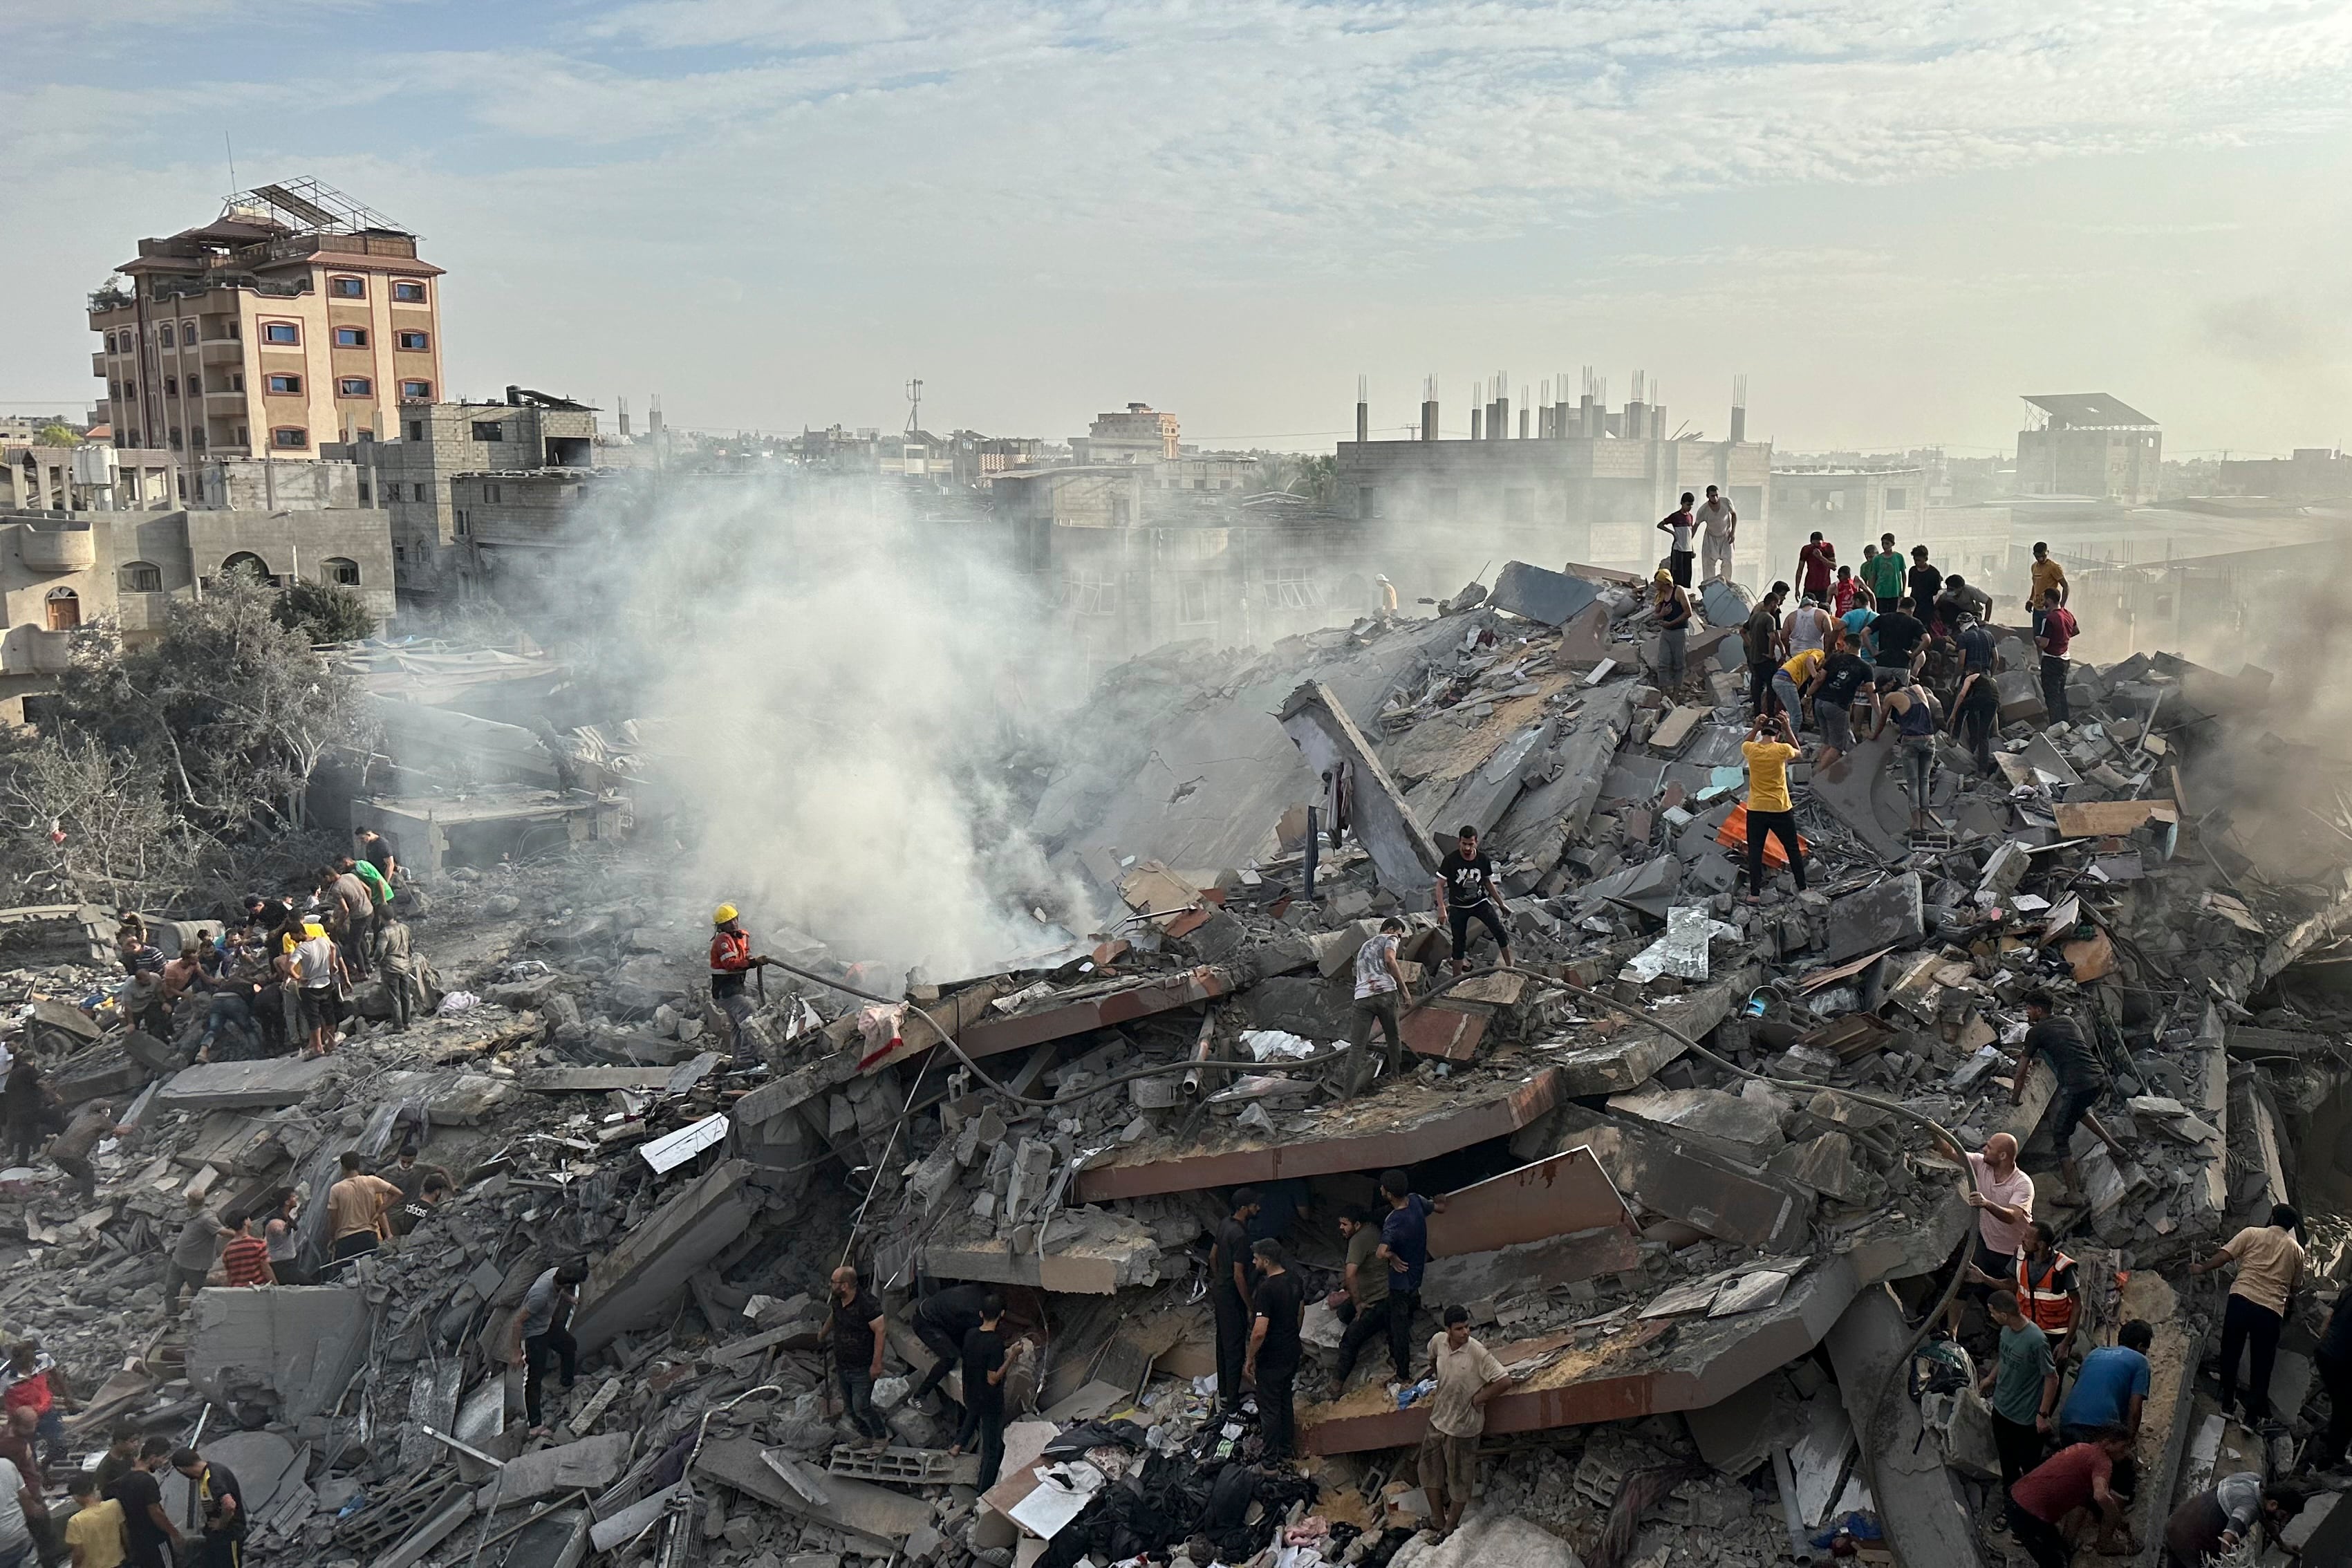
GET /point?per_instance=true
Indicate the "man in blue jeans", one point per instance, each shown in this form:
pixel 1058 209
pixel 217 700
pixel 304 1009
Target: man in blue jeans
pixel 1404 1246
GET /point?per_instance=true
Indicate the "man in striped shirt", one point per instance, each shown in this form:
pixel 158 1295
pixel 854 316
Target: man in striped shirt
pixel 246 1258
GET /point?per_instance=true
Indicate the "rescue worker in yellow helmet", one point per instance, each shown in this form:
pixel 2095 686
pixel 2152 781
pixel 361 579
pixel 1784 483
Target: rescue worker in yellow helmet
pixel 731 961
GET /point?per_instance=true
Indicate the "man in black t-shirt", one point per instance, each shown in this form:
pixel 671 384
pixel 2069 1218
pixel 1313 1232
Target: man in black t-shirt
pixel 1229 1297
pixel 2082 1082
pixel 941 1321
pixel 220 1503
pixel 410 1212
pixel 982 1354
pixel 1926 583
pixel 1467 890
pixel 1274 1352
pixel 1899 634
pixel 1844 675
pixel 147 1531
pixel 853 1330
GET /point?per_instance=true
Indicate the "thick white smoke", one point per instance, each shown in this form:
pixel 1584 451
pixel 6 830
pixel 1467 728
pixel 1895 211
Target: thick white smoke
pixel 826 685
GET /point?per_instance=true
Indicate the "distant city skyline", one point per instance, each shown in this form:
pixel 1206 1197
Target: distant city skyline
pixel 1893 221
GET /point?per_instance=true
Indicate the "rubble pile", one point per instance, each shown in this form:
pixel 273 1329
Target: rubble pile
pixel 1692 1195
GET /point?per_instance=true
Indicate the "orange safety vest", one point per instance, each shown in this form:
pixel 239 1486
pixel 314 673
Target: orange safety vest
pixel 730 952
pixel 2047 1307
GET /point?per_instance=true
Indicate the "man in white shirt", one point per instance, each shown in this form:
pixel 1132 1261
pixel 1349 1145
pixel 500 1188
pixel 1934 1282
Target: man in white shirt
pixel 319 969
pixel 1718 523
pixel 1380 987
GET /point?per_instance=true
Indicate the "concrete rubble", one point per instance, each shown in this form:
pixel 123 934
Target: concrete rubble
pixel 1706 1282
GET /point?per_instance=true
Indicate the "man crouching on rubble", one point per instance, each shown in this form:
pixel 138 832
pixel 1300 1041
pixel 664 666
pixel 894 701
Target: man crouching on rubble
pixel 2082 1084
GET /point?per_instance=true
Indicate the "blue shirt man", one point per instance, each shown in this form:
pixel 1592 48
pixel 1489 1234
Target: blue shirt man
pixel 1405 1233
pixel 2112 1387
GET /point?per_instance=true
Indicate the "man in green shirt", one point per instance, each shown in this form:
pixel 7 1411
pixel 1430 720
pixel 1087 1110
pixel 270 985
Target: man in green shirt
pixel 1884 573
pixel 379 888
pixel 2023 1387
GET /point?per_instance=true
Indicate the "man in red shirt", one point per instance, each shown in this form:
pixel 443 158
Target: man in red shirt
pixel 2054 633
pixel 1816 564
pixel 246 1258
pixel 2074 1478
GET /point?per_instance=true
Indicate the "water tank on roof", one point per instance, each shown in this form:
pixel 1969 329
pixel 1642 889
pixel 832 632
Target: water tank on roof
pixel 93 465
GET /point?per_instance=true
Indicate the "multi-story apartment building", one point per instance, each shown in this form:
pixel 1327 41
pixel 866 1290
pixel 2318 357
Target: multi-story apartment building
pixel 414 474
pixel 2090 444
pixel 295 319
pixel 1138 434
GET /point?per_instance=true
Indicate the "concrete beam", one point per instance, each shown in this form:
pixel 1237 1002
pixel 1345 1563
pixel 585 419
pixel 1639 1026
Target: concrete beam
pixel 1099 1009
pixel 1681 1180
pixel 1402 853
pixel 1919 1500
pixel 1662 1364
pixel 243 1086
pixel 294 1345
pixel 1070 1259
pixel 1864 793
pixel 634 1285
pixel 1567 1192
pixel 1399 1125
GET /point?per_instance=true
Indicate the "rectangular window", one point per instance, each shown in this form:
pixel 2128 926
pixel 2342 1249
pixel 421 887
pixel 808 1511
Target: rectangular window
pixel 416 430
pixel 488 430
pixel 408 291
pixel 412 342
pixel 367 492
pixel 188 334
pixel 1898 500
pixel 461 525
pixel 236 330
pixel 491 493
pixel 422 493
pixel 171 387
pixel 399 552
pixel 1293 591
pixel 290 436
pixel 282 383
pixel 355 386
pixel 164 332
pixel 347 287
pixel 351 337
pixel 416 391
pixel 236 381
pixel 1368 501
pixel 195 386
pixel 1193 601
pixel 281 333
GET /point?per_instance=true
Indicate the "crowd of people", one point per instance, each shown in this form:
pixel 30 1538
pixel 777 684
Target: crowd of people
pixel 116 1517
pixel 1910 647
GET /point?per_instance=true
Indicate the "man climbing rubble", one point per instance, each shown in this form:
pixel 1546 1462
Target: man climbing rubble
pixel 1381 994
pixel 1913 713
pixel 1760 637
pixel 71 1148
pixel 2002 1196
pixel 1467 891
pixel 941 1321
pixel 731 963
pixel 1672 603
pixel 192 1254
pixel 2082 1084
pixel 1362 1300
pixel 543 1333
pixel 356 1211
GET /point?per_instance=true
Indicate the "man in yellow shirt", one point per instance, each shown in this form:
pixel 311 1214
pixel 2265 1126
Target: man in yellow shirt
pixel 2270 1266
pixel 94 1533
pixel 1794 682
pixel 2047 574
pixel 1770 747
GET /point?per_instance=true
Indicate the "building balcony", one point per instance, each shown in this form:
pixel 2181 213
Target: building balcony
pixel 51 550
pixel 222 351
pixel 31 650
pixel 98 362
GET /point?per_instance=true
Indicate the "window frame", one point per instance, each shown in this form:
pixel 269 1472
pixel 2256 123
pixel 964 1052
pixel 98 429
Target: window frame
pixel 132 577
pixel 417 392
pixel 346 286
pixel 270 340
pixel 332 568
pixel 419 297
pixel 293 387
pixel 300 432
pixel 355 386
pixel 357 336
pixel 423 345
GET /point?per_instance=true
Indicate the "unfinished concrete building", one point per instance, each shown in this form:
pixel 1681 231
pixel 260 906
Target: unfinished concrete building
pixel 2089 444
pixel 1578 482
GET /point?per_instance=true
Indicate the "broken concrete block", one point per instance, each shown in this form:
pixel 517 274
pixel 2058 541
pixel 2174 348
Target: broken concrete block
pixel 1825 1164
pixel 473 1100
pixel 1889 915
pixel 238 1086
pixel 292 1346
pixel 590 1464
pixel 634 1285
pixel 1675 730
pixel 2021 697
pixel 1539 593
pixel 2005 868
pixel 1404 854
pixel 1743 1129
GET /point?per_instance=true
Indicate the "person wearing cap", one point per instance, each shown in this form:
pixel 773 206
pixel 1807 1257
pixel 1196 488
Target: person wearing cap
pixel 1675 615
pixel 319 972
pixel 1388 595
pixel 731 961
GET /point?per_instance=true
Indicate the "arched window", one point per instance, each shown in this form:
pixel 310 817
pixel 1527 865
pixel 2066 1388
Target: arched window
pixel 245 562
pixel 142 577
pixel 64 609
pixel 343 569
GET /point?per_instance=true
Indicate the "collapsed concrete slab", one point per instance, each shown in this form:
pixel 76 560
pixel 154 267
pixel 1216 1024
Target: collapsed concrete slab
pixel 635 1285
pixel 1539 593
pixel 873 1513
pixel 1675 1178
pixel 1889 915
pixel 1097 1255
pixel 1547 819
pixel 1099 1006
pixel 1658 1364
pixel 590 1464
pixel 294 1346
pixel 1401 1125
pixel 1861 791
pixel 1566 1192
pixel 1919 1500
pixel 1401 847
pixel 242 1086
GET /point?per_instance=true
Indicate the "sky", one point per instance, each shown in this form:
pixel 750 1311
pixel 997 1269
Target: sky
pixel 1895 218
